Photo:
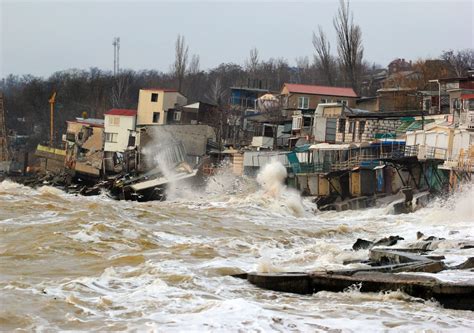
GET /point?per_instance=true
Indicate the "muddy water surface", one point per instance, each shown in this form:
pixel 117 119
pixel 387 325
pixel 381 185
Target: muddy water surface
pixel 91 263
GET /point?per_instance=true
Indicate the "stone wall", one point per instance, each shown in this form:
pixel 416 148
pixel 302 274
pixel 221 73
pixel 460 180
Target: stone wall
pixel 367 132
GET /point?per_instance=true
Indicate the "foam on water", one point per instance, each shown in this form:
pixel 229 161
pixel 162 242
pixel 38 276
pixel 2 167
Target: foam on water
pixel 91 263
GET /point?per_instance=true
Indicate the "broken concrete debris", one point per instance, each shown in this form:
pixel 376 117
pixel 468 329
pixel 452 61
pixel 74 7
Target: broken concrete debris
pixel 387 271
pixel 362 244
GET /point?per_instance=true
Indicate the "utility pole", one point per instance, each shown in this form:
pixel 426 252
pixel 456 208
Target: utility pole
pixel 51 119
pixel 4 156
pixel 116 44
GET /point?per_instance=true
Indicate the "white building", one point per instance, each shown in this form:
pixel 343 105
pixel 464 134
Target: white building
pixel 441 142
pixel 119 127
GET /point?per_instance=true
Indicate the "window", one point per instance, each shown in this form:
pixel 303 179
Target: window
pixel 131 141
pixel 154 97
pixel 297 122
pixel 114 121
pixel 307 121
pixel 303 102
pixel 470 105
pixel 177 116
pixel 361 129
pixel 426 105
pixel 268 131
pixel 70 137
pixel 342 125
pixel 111 137
pixel 351 126
pixel 156 117
pixel 324 100
pixel 456 104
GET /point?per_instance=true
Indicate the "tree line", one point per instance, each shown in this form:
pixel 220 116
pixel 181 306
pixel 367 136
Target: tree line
pixel 95 91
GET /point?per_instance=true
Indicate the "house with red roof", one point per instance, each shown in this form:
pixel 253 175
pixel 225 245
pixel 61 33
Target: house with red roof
pixel 119 129
pixel 307 97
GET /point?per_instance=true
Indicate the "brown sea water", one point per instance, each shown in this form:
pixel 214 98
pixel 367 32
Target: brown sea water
pixel 91 263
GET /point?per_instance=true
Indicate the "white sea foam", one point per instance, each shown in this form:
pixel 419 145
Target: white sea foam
pixel 274 194
pixel 162 265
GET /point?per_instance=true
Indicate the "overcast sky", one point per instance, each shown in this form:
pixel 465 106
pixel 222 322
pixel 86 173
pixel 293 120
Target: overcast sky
pixel 41 37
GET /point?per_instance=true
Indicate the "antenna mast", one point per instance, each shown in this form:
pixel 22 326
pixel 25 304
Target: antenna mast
pixel 116 44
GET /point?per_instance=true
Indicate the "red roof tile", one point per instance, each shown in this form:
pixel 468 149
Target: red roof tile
pixel 122 112
pixel 320 90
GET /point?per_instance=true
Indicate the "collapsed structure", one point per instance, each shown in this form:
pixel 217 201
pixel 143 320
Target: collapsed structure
pixel 134 153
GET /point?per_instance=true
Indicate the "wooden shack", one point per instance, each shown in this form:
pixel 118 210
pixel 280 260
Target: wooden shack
pixel 362 182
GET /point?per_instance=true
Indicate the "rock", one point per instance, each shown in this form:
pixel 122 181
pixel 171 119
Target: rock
pixel 469 263
pixel 433 238
pixel 421 236
pixel 298 283
pixel 450 295
pixel 361 244
pixel 240 276
pixel 391 240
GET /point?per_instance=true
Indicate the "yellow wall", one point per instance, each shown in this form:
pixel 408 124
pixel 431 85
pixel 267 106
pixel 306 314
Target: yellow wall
pixel 146 107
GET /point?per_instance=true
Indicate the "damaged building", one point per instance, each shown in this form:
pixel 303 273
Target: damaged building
pixel 85 147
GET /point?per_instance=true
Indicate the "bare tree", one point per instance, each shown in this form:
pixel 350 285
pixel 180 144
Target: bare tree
pixel 181 60
pixel 253 61
pixel 349 44
pixel 323 58
pixel 461 60
pixel 303 69
pixel 120 89
pixel 219 116
pixel 194 64
pixel 216 92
